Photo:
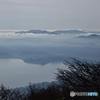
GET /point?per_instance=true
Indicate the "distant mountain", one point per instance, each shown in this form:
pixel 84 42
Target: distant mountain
pixel 90 36
pixel 56 32
pixel 53 32
pixel 37 32
pixel 45 60
pixel 70 31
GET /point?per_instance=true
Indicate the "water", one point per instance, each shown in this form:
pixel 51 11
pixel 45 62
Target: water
pixel 17 73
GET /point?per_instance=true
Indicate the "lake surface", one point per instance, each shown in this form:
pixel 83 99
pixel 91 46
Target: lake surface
pixel 17 73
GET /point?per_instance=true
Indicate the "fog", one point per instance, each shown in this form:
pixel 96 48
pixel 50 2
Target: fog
pixel 47 48
pixel 30 57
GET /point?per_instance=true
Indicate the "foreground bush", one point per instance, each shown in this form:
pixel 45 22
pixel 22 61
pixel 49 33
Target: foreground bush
pixel 80 76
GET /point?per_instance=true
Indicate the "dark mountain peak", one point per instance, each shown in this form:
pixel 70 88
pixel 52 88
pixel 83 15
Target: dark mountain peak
pixel 94 35
pixel 90 36
pixel 69 31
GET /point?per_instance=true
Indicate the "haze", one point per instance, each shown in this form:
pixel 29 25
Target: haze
pixel 49 14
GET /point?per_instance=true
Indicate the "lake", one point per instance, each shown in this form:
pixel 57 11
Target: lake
pixel 17 73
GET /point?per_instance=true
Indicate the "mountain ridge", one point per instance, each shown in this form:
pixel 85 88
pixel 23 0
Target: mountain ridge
pixel 90 36
pixel 56 31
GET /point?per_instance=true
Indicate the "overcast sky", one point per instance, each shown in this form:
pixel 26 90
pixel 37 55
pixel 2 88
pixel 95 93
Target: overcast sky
pixel 49 14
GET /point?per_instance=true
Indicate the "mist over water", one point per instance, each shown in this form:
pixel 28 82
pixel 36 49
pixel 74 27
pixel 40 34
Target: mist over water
pixel 30 57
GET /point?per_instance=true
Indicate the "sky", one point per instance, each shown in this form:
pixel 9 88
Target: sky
pixel 49 14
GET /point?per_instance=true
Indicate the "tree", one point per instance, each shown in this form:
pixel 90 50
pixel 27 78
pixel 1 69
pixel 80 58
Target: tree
pixel 80 76
pixel 9 94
